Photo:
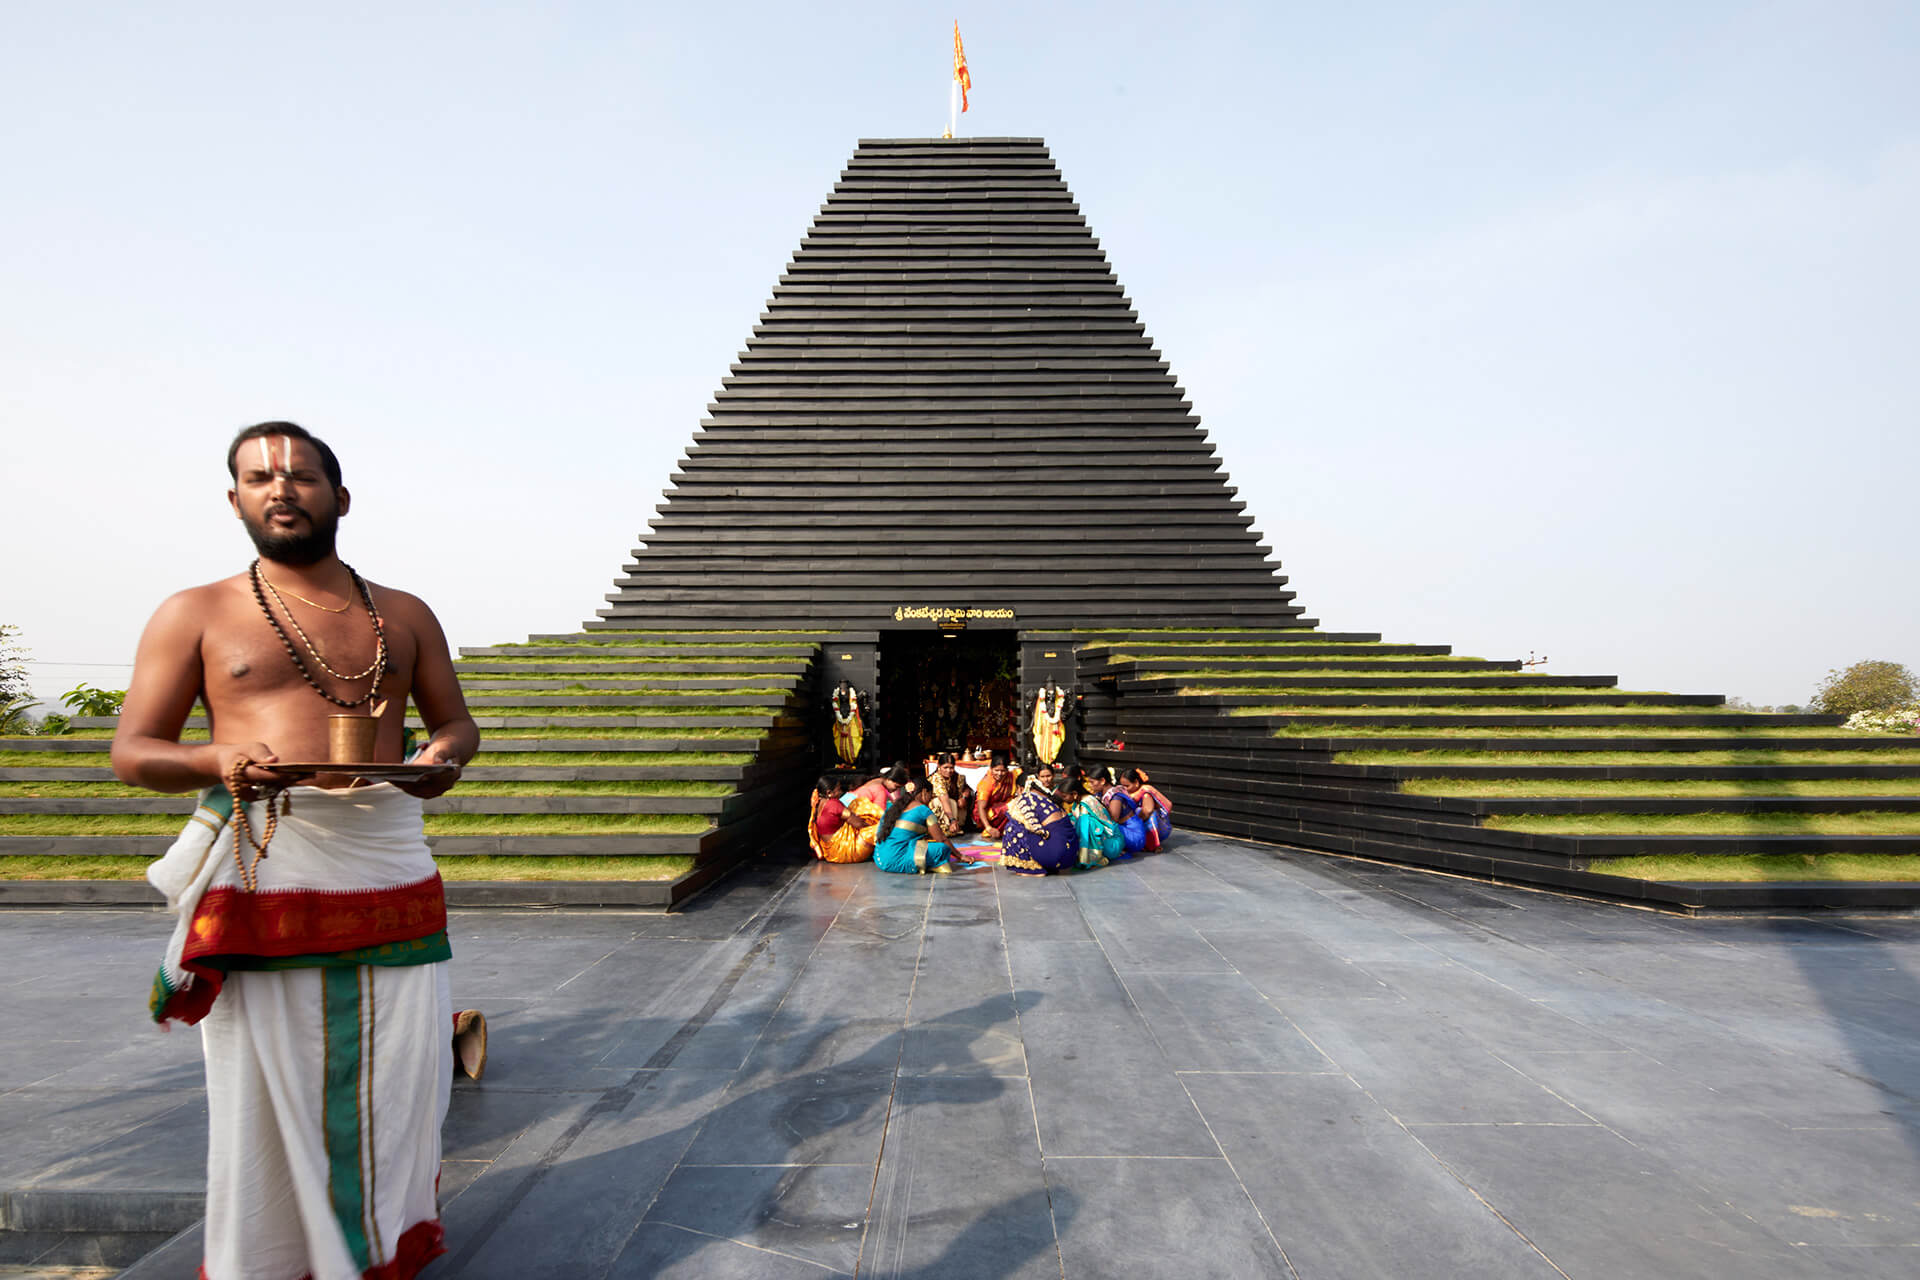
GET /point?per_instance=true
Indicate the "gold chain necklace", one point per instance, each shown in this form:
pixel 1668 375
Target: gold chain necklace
pixel 303 600
pixel 379 651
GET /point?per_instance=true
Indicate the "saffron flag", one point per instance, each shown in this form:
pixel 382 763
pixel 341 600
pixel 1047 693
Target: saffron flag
pixel 960 72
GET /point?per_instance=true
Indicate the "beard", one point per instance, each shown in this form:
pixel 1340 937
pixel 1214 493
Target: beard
pixel 293 548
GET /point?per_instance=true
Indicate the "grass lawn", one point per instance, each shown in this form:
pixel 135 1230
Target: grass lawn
pixel 638 867
pixel 438 824
pixel 1650 759
pixel 1865 823
pixel 1757 869
pixel 1679 788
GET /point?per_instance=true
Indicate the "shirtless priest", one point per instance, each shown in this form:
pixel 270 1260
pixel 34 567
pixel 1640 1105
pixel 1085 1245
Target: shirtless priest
pixel 316 966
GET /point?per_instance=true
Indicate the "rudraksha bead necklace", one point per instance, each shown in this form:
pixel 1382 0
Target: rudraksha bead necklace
pixel 379 668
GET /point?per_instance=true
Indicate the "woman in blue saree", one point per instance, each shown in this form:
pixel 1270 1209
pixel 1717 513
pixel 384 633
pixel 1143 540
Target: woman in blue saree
pixel 911 839
pixel 1156 811
pixel 1125 812
pixel 1038 837
pixel 1099 834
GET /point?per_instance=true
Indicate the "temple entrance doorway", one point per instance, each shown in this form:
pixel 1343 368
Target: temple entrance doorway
pixel 947 691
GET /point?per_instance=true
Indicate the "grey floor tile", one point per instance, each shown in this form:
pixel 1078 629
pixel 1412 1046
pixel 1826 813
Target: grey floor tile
pixel 1287 968
pixel 960 1191
pixel 573 1214
pixel 815 1212
pixel 1597 1205
pixel 1348 1192
pixel 1420 1070
pixel 1082 1032
pixel 1158 1220
pixel 1218 1022
pixel 658 1251
pixel 823 1118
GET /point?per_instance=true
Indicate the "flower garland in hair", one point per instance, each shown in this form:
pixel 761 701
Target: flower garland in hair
pixel 851 698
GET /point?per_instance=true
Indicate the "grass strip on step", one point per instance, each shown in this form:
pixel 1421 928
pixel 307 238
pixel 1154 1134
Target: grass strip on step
pixel 640 787
pixel 438 824
pixel 610 710
pixel 640 663
pixel 453 868
pixel 1474 709
pixel 54 759
pixel 1650 759
pixel 1389 731
pixel 75 790
pixel 479 697
pixel 623 759
pixel 1775 823
pixel 1763 868
pixel 1572 694
pixel 1653 788
pixel 595 733
pixel 549 682
pixel 1441 661
pixel 1340 673
pixel 528 731
pixel 646 787
pixel 186 735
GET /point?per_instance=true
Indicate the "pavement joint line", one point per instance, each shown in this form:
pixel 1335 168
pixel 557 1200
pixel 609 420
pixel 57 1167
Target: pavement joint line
pixel 1185 1092
pixel 757 1248
pixel 617 1097
pixel 761 920
pixel 1033 1105
pixel 893 1084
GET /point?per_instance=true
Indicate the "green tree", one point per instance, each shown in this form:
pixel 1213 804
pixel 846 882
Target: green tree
pixel 85 700
pixel 1865 686
pixel 13 664
pixel 15 697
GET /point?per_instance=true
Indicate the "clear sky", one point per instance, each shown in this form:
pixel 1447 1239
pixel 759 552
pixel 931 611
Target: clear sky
pixel 1586 330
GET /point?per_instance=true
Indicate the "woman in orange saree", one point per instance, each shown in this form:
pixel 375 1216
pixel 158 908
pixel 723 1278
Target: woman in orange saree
pixel 990 801
pixel 853 842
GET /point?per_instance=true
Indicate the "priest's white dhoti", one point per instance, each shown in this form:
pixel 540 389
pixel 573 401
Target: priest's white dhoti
pixel 324 1008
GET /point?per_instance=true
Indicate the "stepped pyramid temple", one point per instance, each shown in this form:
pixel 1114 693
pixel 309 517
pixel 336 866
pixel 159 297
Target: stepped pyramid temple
pixel 950 474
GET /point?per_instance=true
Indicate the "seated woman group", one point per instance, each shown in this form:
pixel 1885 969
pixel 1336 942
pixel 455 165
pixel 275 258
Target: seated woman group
pixel 1054 821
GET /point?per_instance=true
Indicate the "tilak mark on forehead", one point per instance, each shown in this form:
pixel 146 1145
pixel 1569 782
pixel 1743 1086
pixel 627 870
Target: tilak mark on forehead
pixel 286 460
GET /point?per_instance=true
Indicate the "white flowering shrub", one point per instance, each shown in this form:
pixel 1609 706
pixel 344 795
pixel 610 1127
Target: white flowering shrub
pixel 1892 720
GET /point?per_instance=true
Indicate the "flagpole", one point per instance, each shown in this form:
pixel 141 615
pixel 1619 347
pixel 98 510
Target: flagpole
pixel 953 105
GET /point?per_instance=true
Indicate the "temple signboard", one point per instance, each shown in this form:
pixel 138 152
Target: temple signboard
pixel 951 617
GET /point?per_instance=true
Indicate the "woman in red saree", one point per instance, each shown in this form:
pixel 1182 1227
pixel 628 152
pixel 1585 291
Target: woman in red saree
pixel 990 801
pixel 853 842
pixel 825 816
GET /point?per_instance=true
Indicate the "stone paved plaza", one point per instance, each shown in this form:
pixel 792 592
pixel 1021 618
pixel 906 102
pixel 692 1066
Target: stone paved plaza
pixel 1226 1060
